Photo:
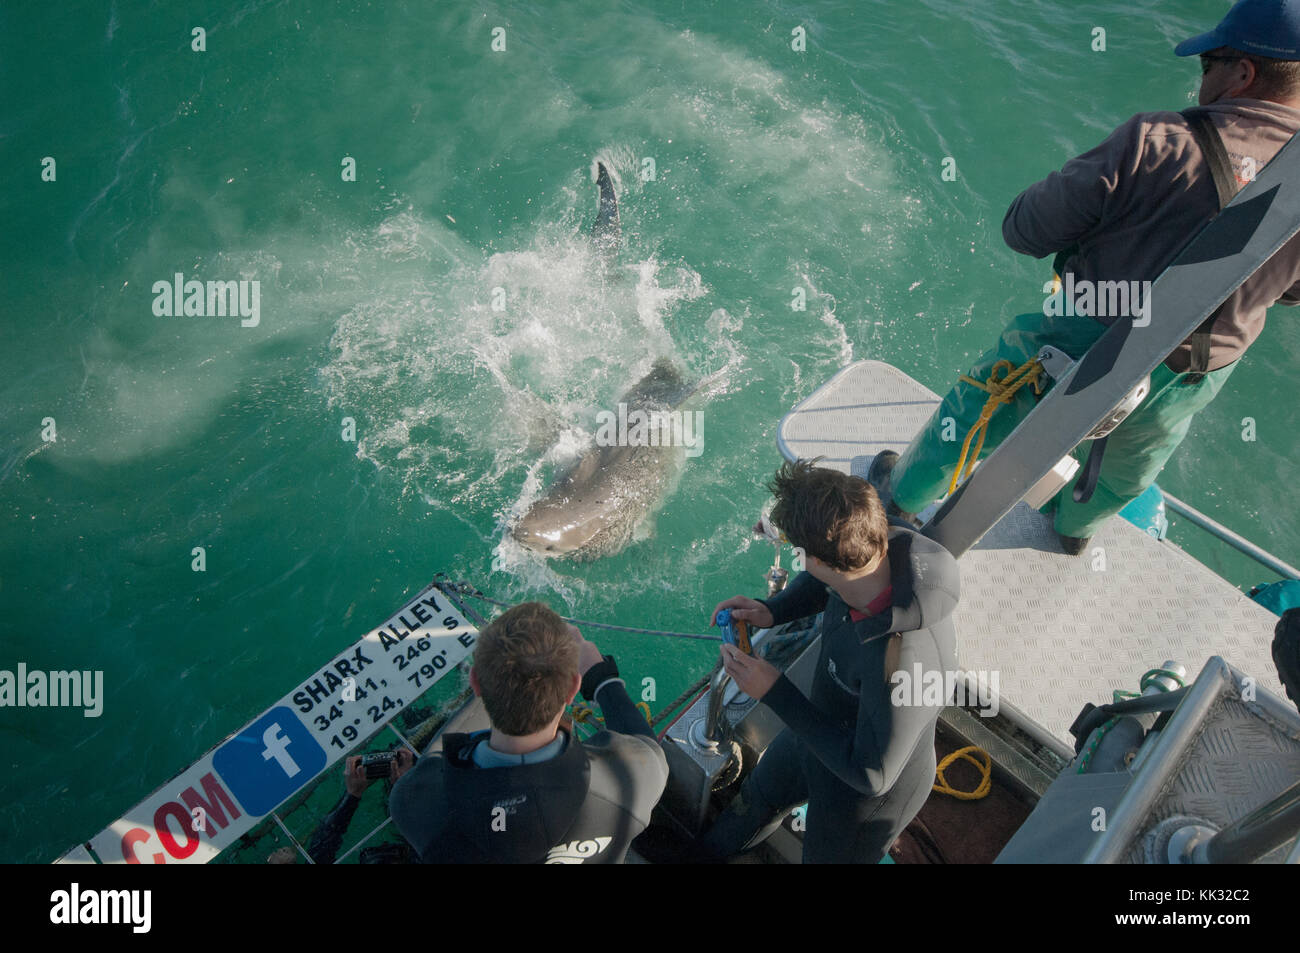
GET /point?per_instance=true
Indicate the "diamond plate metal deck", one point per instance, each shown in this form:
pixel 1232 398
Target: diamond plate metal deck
pixel 1239 761
pixel 1058 633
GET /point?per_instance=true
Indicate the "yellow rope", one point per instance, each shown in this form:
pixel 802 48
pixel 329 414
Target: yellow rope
pixel 966 754
pixel 1001 390
pixel 585 714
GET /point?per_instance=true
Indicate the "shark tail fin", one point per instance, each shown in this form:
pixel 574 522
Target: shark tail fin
pixel 606 232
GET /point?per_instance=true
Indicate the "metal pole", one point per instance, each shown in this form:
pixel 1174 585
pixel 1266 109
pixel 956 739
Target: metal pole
pixel 1240 543
pixel 1125 822
pixel 1258 832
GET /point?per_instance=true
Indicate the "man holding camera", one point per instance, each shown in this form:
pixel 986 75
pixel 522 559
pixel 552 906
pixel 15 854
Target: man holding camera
pixel 526 790
pixel 358 773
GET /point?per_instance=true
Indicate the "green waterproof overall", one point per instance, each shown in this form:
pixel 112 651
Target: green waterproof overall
pixel 1135 453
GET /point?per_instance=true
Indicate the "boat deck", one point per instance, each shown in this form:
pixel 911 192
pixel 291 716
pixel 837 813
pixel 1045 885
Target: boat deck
pixel 1057 633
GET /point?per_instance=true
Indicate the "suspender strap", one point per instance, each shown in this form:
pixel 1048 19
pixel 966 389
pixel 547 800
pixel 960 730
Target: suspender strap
pixel 1225 183
pixel 1199 360
pixel 1087 482
pixel 1216 157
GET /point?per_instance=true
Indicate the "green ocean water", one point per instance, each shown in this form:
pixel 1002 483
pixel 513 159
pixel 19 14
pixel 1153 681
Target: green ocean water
pixel 773 169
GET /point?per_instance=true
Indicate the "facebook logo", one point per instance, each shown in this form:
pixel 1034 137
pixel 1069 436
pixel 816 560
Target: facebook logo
pixel 277 747
pixel 269 760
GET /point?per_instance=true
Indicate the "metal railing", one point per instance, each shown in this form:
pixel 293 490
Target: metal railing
pixel 1235 540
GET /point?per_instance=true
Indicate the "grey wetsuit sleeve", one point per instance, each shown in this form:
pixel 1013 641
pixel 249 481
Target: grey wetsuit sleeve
pixel 804 596
pixel 418 805
pixel 643 767
pixel 328 837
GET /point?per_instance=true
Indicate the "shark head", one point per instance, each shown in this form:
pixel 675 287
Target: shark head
pixel 578 518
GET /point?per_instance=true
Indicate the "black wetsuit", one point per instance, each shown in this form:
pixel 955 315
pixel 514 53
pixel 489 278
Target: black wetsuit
pixel 585 805
pixel 864 765
pixel 328 836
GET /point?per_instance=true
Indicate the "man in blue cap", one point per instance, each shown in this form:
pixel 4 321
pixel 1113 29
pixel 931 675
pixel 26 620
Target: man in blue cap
pixel 1115 217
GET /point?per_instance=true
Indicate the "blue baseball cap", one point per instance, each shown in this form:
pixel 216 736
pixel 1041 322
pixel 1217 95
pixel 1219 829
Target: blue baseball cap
pixel 1263 27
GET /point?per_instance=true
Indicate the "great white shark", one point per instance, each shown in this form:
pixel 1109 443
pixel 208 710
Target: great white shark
pixel 592 508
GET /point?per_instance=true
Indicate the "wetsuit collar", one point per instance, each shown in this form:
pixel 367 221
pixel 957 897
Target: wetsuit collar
pixel 485 756
pixel 875 606
pixel 905 613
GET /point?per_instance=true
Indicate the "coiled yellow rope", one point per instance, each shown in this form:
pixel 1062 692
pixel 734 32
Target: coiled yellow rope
pixel 1001 390
pixel 966 754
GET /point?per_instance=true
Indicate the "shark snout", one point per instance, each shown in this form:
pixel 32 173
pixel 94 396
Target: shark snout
pixel 555 528
pixel 532 539
pixel 536 535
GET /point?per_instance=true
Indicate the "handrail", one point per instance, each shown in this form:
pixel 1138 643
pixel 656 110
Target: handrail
pixel 1263 829
pixel 1237 541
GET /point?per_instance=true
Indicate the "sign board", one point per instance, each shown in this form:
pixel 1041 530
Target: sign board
pixel 233 787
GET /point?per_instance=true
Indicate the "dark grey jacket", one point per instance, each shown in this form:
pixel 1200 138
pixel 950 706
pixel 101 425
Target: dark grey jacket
pixel 1132 204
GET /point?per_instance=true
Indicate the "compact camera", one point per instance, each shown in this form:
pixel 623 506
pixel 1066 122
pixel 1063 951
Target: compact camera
pixel 378 764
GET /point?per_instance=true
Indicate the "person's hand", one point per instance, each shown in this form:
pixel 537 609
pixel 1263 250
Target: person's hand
pixel 588 654
pixel 405 761
pixel 746 610
pixel 354 779
pixel 753 676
